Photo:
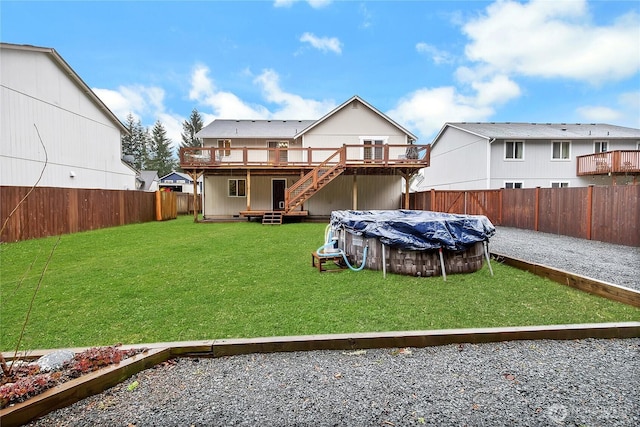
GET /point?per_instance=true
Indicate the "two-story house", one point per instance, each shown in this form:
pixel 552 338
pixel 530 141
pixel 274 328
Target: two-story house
pixel 54 130
pixel 477 156
pixel 355 157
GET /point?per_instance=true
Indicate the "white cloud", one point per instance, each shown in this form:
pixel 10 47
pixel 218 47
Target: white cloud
pixel 226 105
pixel 625 113
pixel 438 56
pixel 554 40
pixel 145 103
pixel 428 109
pixel 290 106
pixel 325 44
pixel 316 4
pixel 598 114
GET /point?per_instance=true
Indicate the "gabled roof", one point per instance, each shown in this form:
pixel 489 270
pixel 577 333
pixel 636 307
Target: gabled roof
pixel 66 68
pixel 253 128
pixel 366 104
pixel 178 175
pixel 542 130
pixel 285 129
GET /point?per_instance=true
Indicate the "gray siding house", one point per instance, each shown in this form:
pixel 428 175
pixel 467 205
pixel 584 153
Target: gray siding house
pixel 476 156
pixel 43 99
pixel 355 157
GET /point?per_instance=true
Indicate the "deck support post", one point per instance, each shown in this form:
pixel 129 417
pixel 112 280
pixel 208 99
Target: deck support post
pixel 248 189
pixel 194 175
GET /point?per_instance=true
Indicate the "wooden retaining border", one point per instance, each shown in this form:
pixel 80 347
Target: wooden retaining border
pixel 583 283
pixel 96 382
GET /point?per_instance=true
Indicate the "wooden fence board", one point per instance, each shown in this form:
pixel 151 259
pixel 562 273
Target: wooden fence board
pixel 616 214
pixel 609 213
pixel 52 211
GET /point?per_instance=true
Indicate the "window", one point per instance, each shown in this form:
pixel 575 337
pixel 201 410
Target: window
pixel 513 185
pixel 561 150
pixel 225 144
pixel 283 156
pixel 237 187
pixel 372 149
pixel 600 146
pixel 514 150
pixel 559 184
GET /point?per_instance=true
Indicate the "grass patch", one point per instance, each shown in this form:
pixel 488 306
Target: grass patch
pixel 176 280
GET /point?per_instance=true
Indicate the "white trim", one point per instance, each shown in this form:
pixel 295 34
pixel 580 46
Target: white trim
pixel 561 159
pixel 504 184
pixel 514 159
pixel 384 139
pixel 600 141
pixel 237 180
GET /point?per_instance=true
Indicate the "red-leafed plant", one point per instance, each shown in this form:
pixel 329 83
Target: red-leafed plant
pixel 25 380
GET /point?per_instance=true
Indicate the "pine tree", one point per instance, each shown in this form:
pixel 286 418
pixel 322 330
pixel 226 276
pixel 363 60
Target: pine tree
pixel 190 128
pixel 160 154
pixel 134 145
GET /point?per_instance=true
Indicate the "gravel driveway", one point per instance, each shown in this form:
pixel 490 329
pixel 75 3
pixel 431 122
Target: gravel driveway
pixel 526 383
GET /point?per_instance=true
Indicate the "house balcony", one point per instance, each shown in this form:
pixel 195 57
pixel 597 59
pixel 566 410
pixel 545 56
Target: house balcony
pixel 620 162
pixel 368 159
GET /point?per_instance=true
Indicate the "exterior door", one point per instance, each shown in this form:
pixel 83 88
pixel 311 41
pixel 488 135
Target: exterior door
pixel 278 186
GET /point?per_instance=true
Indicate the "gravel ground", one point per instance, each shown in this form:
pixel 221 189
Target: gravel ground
pixel 527 383
pixel 610 263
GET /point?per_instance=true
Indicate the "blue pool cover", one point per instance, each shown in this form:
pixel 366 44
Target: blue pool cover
pixel 416 230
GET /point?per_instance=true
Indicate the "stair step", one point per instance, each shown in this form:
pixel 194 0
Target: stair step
pixel 272 218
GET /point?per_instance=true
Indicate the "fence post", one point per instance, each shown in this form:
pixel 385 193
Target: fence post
pixel 589 210
pixel 536 214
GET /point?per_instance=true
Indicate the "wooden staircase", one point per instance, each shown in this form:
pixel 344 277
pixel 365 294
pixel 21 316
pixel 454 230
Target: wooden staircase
pixel 314 180
pixel 272 218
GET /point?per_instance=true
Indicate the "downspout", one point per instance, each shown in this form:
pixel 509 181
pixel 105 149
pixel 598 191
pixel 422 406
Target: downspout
pixel 489 163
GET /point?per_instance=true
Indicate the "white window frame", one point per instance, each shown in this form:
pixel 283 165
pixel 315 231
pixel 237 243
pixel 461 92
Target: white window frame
pixel 237 186
pixel 597 146
pixel 560 184
pixel 373 146
pixel 562 144
pixel 514 184
pixel 224 148
pixel 284 150
pixel 514 158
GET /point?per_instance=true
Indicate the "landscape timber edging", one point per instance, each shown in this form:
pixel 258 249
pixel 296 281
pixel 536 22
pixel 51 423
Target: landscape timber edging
pixel 586 284
pixel 98 381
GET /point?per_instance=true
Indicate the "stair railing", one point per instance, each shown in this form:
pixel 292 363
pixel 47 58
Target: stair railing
pixel 295 195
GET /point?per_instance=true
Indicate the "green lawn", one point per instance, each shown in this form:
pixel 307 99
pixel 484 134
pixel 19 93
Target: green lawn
pixel 176 280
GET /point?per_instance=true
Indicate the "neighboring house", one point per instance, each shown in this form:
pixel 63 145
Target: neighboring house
pixel 355 157
pixel 149 180
pixel 49 115
pixel 476 156
pixel 179 182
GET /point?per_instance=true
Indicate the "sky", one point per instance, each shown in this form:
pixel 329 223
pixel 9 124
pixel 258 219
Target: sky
pixel 423 63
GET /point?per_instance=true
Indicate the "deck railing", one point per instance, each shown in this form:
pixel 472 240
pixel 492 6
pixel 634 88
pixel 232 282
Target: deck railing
pixel 615 162
pixel 355 155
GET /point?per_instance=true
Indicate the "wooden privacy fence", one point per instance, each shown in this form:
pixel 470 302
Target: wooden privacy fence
pixel 51 211
pixel 608 214
pixel 184 202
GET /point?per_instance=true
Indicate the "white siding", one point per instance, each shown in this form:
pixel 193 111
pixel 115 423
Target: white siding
pixel 348 125
pixel 80 139
pixel 458 162
pixel 374 192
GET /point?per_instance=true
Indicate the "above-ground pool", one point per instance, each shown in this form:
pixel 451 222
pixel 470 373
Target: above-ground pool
pixel 417 243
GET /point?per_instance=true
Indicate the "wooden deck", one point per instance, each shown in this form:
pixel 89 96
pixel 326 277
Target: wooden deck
pixel 380 159
pixel 620 162
pixel 260 214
